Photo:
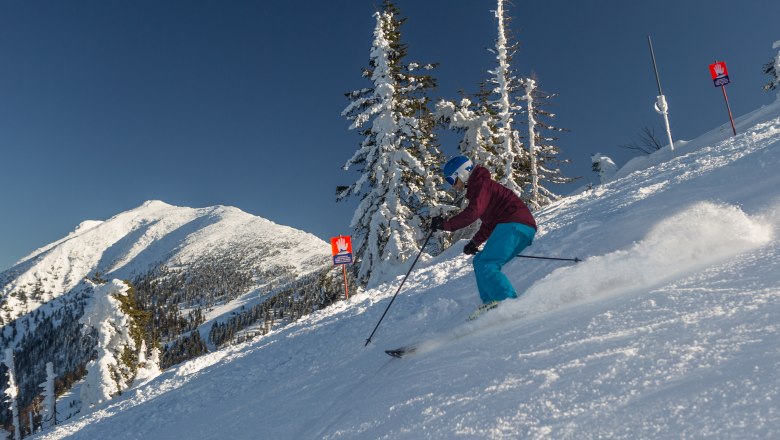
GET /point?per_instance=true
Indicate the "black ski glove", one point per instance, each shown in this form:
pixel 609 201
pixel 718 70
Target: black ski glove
pixel 437 223
pixel 471 248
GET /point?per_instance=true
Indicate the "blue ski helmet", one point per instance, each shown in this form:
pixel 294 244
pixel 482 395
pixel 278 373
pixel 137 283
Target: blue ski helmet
pixel 459 167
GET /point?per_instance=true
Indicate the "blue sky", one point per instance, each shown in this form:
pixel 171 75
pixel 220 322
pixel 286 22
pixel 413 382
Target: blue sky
pixel 107 104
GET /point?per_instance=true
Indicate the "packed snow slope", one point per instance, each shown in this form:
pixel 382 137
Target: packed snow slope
pixel 668 329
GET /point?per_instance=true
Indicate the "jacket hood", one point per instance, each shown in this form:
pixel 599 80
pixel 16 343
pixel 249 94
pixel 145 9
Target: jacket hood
pixel 479 173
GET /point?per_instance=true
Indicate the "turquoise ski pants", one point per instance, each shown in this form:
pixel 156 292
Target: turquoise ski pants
pixel 504 244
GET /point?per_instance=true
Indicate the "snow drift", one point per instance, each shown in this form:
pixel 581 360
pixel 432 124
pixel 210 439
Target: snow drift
pixel 697 237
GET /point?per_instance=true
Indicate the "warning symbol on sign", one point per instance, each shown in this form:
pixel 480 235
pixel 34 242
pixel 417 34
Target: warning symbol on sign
pixel 719 73
pixel 341 247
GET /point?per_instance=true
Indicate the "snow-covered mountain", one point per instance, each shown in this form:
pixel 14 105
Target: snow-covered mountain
pixel 134 241
pixel 216 270
pixel 668 329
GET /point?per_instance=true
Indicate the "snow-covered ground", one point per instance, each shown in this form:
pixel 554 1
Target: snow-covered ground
pixel 668 329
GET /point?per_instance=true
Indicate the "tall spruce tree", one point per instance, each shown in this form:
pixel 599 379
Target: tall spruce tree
pixel 512 170
pixel 543 154
pixel 397 157
pixel 12 392
pixel 111 372
pixel 49 413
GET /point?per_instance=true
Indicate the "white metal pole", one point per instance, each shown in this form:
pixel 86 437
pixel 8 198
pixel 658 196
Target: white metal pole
pixel 664 107
pixel 661 106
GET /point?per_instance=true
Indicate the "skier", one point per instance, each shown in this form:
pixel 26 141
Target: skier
pixel 507 225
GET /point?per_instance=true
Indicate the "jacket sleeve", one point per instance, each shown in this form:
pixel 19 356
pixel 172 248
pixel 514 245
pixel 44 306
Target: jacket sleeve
pixel 478 201
pixel 481 236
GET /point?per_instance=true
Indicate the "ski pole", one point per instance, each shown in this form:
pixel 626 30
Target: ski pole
pixel 575 259
pixel 368 341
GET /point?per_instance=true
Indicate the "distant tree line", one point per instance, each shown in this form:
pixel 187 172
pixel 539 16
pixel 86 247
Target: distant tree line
pixel 284 305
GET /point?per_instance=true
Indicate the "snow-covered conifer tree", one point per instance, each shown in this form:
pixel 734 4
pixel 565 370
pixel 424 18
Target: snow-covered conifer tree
pixel 513 169
pixel 772 68
pixel 477 124
pixel 543 154
pixel 148 368
pixel 12 392
pixel 397 157
pixel 108 375
pixel 604 166
pixel 49 413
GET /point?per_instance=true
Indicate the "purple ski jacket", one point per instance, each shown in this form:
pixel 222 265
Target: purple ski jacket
pixel 490 202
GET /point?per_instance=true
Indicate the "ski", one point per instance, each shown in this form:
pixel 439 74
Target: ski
pixel 404 351
pixel 482 309
pixel 401 351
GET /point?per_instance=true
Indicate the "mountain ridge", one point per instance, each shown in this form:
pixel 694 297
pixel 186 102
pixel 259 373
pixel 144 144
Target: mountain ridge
pixel 155 232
